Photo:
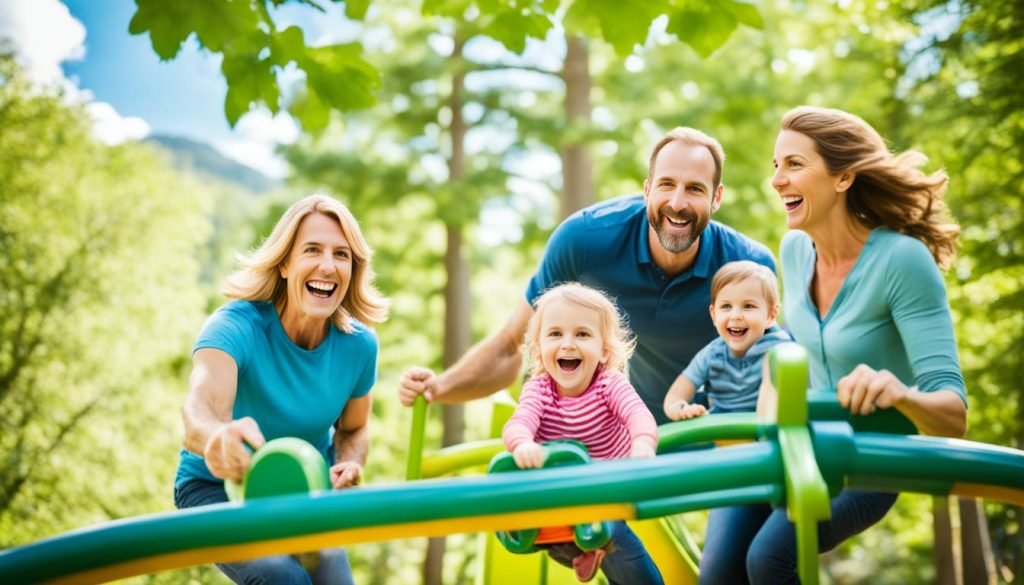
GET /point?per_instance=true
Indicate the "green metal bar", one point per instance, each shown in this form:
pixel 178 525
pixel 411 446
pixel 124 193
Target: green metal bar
pixel 273 518
pixel 755 494
pixel 825 406
pixel 931 464
pixel 416 435
pixel 733 426
pixel 807 500
pixel 460 457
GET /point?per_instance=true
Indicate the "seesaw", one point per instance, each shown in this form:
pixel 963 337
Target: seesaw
pixel 796 462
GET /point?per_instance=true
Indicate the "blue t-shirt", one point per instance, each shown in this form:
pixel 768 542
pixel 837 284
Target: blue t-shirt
pixel 890 313
pixel 732 382
pixel 605 246
pixel 290 391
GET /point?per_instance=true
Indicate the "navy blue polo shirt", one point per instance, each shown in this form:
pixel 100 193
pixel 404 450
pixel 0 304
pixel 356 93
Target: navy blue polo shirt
pixel 605 246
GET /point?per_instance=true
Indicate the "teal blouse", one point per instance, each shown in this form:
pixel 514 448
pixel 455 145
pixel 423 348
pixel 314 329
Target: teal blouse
pixel 891 313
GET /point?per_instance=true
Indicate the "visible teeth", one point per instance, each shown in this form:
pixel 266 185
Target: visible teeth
pixel 792 199
pixel 324 286
pixel 676 221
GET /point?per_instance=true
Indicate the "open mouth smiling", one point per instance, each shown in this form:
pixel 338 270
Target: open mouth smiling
pixel 321 289
pixel 792 201
pixel 737 331
pixel 569 365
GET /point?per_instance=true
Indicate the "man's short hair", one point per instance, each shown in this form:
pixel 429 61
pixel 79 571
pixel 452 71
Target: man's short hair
pixel 693 137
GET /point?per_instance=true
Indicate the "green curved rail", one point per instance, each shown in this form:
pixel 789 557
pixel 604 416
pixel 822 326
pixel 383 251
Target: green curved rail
pixel 665 485
pixel 403 506
pixel 793 463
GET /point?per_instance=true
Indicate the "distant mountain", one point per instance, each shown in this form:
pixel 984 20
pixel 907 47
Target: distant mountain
pixel 203 158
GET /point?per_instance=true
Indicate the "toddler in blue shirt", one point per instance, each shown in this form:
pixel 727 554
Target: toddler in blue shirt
pixel 744 305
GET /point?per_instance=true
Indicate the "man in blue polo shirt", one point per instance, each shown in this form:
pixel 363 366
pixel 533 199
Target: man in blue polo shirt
pixel 655 254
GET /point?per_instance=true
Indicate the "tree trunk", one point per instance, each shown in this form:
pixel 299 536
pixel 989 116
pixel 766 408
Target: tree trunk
pixel 944 550
pixel 456 299
pixel 577 164
pixel 978 563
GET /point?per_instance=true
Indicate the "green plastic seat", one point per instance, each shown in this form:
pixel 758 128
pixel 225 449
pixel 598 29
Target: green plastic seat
pixel 589 536
pixel 287 465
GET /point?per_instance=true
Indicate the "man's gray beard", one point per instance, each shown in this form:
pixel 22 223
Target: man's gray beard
pixel 677 244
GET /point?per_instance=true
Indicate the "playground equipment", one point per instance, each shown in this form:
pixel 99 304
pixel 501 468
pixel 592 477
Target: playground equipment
pixel 797 462
pixel 589 536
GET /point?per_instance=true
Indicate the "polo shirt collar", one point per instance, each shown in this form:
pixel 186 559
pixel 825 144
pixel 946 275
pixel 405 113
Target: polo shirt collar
pixel 701 267
pixel 643 250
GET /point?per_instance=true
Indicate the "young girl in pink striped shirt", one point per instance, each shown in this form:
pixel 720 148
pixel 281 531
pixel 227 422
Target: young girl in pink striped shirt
pixel 578 348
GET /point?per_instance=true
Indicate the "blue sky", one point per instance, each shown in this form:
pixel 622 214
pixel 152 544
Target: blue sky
pixel 184 96
pixel 84 46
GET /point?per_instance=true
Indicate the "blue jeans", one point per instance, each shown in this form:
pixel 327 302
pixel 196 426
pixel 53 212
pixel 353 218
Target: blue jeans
pixel 626 562
pixel 757 544
pixel 331 568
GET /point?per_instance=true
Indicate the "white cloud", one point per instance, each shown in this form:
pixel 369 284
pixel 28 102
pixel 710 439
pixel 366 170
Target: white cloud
pixel 255 138
pixel 43 34
pixel 111 128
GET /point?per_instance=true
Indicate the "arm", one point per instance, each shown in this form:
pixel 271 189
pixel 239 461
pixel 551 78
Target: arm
pixel 677 401
pixel 626 405
pixel 521 429
pixel 941 413
pixel 209 430
pixel 916 294
pixel 351 443
pixel 486 368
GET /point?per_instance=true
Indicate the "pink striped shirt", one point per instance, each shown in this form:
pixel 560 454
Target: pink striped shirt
pixel 605 418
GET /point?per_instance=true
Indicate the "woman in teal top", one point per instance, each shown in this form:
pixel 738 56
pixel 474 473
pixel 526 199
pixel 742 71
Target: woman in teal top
pixel 863 293
pixel 292 355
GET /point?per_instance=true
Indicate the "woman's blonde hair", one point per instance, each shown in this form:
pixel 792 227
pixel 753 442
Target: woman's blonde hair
pixel 259 278
pixel 618 340
pixel 889 189
pixel 740 270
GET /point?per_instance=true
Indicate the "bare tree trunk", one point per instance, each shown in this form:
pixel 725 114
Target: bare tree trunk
pixel 577 164
pixel 944 551
pixel 456 299
pixel 978 563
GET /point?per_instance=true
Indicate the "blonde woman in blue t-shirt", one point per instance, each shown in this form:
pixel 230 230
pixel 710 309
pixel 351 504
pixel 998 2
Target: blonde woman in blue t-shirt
pixel 292 355
pixel 866 298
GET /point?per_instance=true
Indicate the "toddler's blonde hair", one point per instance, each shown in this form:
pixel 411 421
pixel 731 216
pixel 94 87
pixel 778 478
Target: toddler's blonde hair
pixel 741 270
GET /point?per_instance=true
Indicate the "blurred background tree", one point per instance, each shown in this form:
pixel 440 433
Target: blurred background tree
pixel 458 172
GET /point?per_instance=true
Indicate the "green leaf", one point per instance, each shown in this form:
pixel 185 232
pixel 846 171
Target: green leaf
pixel 287 46
pixel 240 26
pixel 249 81
pixel 356 9
pixel 511 28
pixel 341 77
pixel 311 112
pixel 168 25
pixel 745 13
pixel 452 8
pixel 702 28
pixel 623 23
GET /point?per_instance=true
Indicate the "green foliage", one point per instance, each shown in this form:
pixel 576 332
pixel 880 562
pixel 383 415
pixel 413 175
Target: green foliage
pixel 706 26
pixel 98 308
pixel 338 78
pixel 255 51
pixel 967 99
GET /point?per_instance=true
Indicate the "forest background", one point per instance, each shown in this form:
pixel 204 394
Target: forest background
pixel 460 133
